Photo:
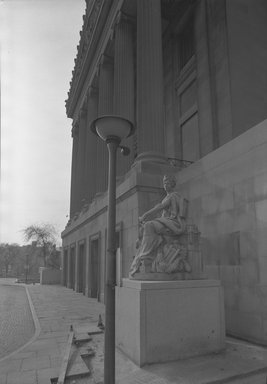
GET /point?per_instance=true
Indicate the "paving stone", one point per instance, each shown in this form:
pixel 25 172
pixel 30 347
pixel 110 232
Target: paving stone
pixel 3 378
pixel 35 363
pixel 24 355
pixel 10 365
pixel 55 361
pixel 47 374
pixel 28 377
pixel 49 352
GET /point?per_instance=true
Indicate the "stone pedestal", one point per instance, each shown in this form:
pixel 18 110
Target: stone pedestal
pixel 158 321
pixel 50 276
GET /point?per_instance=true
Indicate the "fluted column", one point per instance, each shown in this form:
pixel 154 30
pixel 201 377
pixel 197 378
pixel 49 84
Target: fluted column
pixel 91 146
pixel 206 103
pixel 105 107
pixel 149 77
pixel 73 191
pixel 124 82
pixel 220 76
pixel 81 159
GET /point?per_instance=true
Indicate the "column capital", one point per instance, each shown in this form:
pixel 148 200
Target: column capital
pixel 105 60
pixel 123 17
pixel 120 18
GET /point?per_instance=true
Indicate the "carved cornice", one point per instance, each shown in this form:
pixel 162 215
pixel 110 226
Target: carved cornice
pixel 97 46
pixel 89 22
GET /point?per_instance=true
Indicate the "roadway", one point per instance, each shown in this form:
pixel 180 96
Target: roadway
pixel 16 322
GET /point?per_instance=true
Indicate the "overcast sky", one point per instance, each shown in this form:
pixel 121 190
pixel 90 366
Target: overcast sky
pixel 39 41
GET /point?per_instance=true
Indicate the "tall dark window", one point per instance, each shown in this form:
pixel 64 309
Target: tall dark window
pixel 186 91
pixel 186 40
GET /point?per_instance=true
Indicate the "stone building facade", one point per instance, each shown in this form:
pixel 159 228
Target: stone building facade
pixel 191 75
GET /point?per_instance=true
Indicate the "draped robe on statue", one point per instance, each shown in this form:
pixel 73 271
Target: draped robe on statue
pixel 172 222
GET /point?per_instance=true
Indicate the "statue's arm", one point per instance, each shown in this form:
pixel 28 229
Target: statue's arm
pixel 157 208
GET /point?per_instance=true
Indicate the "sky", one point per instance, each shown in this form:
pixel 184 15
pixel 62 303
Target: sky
pixel 39 41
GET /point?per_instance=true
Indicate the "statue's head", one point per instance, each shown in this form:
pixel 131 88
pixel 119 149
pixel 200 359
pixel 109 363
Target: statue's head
pixel 169 182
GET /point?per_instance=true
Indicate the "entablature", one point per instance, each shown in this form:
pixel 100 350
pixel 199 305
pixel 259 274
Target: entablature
pixel 95 35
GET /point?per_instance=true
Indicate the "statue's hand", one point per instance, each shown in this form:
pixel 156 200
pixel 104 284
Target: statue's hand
pixel 142 219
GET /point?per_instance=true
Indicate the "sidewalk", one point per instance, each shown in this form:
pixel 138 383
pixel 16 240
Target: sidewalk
pixel 55 308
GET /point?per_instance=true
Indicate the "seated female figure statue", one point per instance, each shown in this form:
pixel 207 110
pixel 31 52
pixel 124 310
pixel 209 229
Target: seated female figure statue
pixel 171 223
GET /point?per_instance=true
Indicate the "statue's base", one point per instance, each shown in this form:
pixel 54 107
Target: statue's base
pixel 159 321
pixel 155 276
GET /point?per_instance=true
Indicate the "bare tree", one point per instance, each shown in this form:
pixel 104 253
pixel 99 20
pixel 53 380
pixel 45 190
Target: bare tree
pixel 44 235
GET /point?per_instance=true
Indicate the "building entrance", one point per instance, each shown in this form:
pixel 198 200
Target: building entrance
pixel 94 269
pixel 72 267
pixel 81 271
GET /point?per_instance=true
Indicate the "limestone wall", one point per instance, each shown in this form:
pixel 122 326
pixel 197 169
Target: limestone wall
pixel 247 44
pixel 227 190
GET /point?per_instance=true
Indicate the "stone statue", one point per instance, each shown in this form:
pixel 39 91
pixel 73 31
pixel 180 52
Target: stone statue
pixel 158 244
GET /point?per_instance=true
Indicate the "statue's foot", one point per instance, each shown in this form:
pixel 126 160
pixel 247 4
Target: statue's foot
pixel 132 273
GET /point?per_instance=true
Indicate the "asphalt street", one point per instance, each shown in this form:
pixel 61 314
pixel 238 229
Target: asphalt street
pixel 16 323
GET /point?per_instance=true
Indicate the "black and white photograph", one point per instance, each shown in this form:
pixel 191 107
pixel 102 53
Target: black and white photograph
pixel 133 191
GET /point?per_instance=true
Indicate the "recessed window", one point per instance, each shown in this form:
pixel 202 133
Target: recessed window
pixel 186 40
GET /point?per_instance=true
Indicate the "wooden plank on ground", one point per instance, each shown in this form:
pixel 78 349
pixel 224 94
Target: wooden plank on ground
pixel 87 352
pixel 64 365
pixel 89 329
pixel 77 369
pixel 82 337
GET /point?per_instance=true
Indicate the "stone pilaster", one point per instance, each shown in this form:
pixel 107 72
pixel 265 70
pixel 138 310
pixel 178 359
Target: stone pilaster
pixel 105 107
pixel 149 77
pixel 81 159
pixel 76 274
pixel 124 82
pixel 64 274
pixel 73 192
pixel 69 277
pixel 91 173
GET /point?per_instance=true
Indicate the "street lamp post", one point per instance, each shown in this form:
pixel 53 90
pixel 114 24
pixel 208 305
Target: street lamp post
pixel 111 129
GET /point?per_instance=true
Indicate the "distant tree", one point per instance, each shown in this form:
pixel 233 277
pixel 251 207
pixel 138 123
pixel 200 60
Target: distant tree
pixel 53 259
pixel 8 255
pixel 45 237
